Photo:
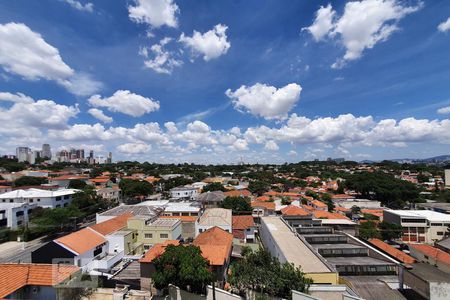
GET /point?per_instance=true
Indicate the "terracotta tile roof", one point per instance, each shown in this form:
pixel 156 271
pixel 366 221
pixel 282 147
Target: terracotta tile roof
pixel 292 195
pixel 308 207
pixel 271 193
pixel 263 198
pixel 321 214
pixel 157 250
pixel 341 209
pixel 400 255
pixel 182 218
pixel 238 193
pixel 242 222
pixel 433 252
pixel 68 177
pixel 375 212
pixel 16 276
pixel 215 244
pixel 112 225
pixel 99 180
pixel 318 203
pixel 293 210
pixel 342 196
pixel 267 205
pixel 82 240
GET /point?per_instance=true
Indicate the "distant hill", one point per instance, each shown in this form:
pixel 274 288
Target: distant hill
pixel 435 159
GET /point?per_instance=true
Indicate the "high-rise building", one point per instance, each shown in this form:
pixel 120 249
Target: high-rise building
pixel 22 153
pixel 46 151
pixel 447 177
pixel 109 159
pixel 80 154
pixel 91 154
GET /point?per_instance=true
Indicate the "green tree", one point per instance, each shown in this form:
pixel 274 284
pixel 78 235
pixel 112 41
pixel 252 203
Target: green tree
pixel 29 180
pixel 95 172
pixel 285 201
pixel 310 193
pixel 390 231
pixel 237 204
pixel 76 184
pixel 355 210
pixel 182 266
pixel 259 271
pixel 258 187
pixel 133 188
pixel 368 230
pixel 214 186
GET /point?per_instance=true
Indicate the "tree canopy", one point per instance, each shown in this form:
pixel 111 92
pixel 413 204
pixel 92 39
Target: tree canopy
pixel 259 271
pixel 184 267
pixel 214 186
pixel 29 180
pixel 368 230
pixel 76 184
pixel 392 192
pixel 237 204
pixel 258 187
pixel 133 188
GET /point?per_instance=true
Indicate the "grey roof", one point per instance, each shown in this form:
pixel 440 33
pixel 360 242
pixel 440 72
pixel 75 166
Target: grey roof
pixel 337 246
pixel 429 273
pixel 357 261
pixel 374 287
pixel 216 196
pixel 136 210
pixel 445 243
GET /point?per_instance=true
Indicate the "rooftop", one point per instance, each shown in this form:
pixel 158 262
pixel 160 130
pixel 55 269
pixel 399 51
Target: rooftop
pixel 433 252
pixel 216 196
pixel 157 250
pixel 82 240
pixel 37 193
pixel 394 252
pixel 112 225
pixel 242 222
pixel 357 260
pixel 136 210
pixel 16 276
pixel 293 248
pixel 430 215
pixel 293 210
pixel 429 273
pixel 164 222
pixel 216 217
pixel 215 244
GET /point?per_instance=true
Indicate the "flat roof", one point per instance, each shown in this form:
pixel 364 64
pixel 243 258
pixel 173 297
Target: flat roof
pixel 337 246
pixel 430 215
pixel 429 273
pixel 358 260
pixel 164 222
pixel 136 210
pixel 293 248
pixel 37 193
pixel 216 217
pixel 337 222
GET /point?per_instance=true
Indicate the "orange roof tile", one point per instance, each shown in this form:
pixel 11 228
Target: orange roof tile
pixel 433 252
pixel 293 210
pixel 322 214
pixel 82 240
pixel 113 224
pixel 375 212
pixel 69 177
pixel 99 180
pixel 215 244
pixel 157 250
pixel 242 222
pixel 182 218
pixel 400 255
pixel 342 196
pixel 308 207
pixel 238 193
pixel 271 193
pixel 16 276
pixel 318 203
pixel 268 205
pixel 263 198
pixel 341 209
pixel 288 194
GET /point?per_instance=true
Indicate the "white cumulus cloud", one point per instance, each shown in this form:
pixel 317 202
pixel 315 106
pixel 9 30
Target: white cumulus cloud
pixel 154 12
pixel 444 110
pixel 266 101
pixel 210 44
pixel 271 145
pixel 362 25
pixel 98 114
pixel 444 26
pixel 89 7
pixel 125 102
pixel 134 148
pixel 159 59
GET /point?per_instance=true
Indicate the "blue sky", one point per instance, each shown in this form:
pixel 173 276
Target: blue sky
pixel 217 81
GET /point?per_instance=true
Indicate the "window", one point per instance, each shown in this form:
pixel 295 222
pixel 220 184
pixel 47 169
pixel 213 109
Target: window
pixel 97 251
pixel 148 235
pixel 436 224
pixel 58 206
pixel 440 233
pixel 58 198
pixel 38 200
pixel 164 236
pixel 406 220
pixel 66 197
pixel 19 213
pixel 146 247
pixel 31 200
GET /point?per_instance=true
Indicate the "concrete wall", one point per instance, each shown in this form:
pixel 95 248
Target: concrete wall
pixel 176 293
pixel 439 291
pixel 430 260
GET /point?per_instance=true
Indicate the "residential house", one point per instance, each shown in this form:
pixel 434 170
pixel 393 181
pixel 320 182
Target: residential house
pixel 318 205
pixel 35 281
pixel 244 228
pixel 261 209
pixel 211 199
pixel 214 217
pixel 216 245
pixel 5 189
pixel 184 192
pixel 238 193
pixel 64 180
pixel 43 198
pixel 187 225
pixel 15 215
pixel 155 231
pixel 431 255
pixel 109 193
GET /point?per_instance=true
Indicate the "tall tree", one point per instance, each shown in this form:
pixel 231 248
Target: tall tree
pixel 214 186
pixel 29 180
pixel 237 204
pixel 184 267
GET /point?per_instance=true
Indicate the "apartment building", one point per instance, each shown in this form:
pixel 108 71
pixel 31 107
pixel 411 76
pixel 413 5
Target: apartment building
pixel 184 192
pixel 447 178
pixel 15 215
pixel 419 226
pixel 151 231
pixel 43 198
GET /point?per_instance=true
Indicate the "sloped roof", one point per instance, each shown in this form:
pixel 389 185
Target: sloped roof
pixel 267 205
pixel 182 218
pixel 321 214
pixel 318 203
pixel 433 252
pixel 242 222
pixel 215 244
pixel 400 255
pixel 238 193
pixel 157 250
pixel 16 276
pixel 82 240
pixel 112 225
pixel 216 217
pixel 293 210
pixel 215 196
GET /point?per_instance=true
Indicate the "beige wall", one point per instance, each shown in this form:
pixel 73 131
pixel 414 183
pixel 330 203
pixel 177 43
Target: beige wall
pixel 150 235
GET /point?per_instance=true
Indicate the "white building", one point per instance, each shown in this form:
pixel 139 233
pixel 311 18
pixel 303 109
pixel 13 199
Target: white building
pixel 419 226
pixel 212 217
pixel 184 192
pixel 14 215
pixel 43 198
pixel 447 178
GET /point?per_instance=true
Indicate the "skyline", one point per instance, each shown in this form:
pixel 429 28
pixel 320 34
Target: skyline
pixel 150 81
